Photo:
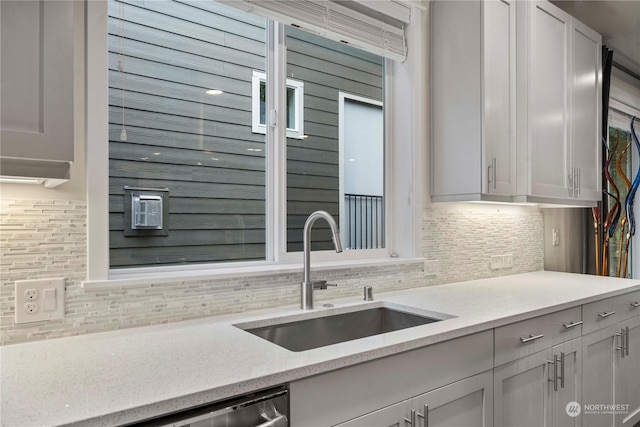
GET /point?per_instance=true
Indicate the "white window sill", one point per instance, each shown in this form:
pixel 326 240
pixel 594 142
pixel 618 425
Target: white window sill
pixel 138 280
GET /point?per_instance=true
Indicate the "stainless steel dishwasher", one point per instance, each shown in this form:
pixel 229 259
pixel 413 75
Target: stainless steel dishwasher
pixel 267 408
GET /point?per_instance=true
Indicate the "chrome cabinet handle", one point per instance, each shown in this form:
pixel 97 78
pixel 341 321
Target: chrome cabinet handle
pixel 554 379
pixel 606 314
pixel 412 421
pixel 490 177
pixel 578 170
pixel 425 416
pixel 572 178
pixel 495 184
pixel 626 341
pixel 557 360
pixel 572 324
pixel 531 338
pixel 635 304
pixel 623 348
pixel 562 369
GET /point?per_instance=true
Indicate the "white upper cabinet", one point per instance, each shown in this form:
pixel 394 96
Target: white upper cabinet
pixel 37 88
pixel 515 104
pixel 473 100
pixel 559 104
pixel 586 119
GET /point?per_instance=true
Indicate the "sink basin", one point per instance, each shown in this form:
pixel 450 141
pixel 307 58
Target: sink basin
pixel 317 332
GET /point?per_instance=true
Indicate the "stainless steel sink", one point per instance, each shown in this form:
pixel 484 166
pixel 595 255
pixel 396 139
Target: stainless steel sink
pixel 330 329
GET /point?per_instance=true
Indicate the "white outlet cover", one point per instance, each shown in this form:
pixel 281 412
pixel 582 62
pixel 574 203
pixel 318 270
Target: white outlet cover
pixel 507 261
pixel 496 262
pixel 431 267
pixel 54 304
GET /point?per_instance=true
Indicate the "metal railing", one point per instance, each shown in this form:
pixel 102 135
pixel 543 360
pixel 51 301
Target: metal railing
pixel 364 221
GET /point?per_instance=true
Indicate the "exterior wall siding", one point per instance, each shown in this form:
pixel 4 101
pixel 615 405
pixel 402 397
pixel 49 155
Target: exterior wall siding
pixel 200 147
pixel 45 239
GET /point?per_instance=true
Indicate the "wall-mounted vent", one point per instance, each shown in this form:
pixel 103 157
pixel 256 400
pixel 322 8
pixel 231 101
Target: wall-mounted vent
pixel 146 211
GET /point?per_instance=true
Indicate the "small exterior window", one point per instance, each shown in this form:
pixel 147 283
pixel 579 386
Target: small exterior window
pixel 295 106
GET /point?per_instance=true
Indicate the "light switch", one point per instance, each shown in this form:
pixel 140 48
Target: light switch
pixel 49 303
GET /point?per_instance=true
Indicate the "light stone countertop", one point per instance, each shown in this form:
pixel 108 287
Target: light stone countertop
pixel 110 378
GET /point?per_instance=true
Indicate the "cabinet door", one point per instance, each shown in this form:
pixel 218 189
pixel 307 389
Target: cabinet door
pixel 521 392
pixel 466 403
pixel 37 80
pixel 569 387
pixel 597 375
pixel 398 415
pixel 548 72
pixel 627 378
pixel 585 121
pixel 499 62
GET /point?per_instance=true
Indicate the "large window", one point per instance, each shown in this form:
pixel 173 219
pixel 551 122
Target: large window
pixel 192 127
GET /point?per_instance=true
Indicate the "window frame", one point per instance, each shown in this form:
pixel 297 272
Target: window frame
pixel 405 180
pixel 297 131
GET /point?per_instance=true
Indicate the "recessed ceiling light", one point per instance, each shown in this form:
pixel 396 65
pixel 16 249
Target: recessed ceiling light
pixel 214 92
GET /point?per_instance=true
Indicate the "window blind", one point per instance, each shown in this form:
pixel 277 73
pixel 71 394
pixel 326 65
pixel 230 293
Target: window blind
pixel 376 26
pixel 621 120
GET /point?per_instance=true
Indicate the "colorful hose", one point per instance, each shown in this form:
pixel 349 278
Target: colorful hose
pixel 613 216
pixel 622 271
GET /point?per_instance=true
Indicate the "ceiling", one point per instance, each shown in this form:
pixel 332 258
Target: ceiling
pixel 617 20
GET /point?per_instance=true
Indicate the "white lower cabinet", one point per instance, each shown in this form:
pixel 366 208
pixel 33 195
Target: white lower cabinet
pixel 453 378
pixel 568 387
pixel 535 390
pixel 465 403
pixel 611 375
pixel 521 391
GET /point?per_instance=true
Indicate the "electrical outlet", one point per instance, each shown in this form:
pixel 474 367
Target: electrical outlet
pixel 39 300
pixel 496 262
pixel 431 267
pixel 31 307
pixel 31 294
pixel 507 261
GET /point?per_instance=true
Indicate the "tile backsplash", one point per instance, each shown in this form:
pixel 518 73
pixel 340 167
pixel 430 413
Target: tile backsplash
pixel 47 239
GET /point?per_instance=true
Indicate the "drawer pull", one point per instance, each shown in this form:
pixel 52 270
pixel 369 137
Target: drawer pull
pixel 606 314
pixel 412 421
pixel 425 416
pixel 530 338
pixel 624 343
pixel 635 304
pixel 572 324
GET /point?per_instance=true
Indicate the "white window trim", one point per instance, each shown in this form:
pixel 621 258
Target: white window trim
pixel 406 189
pixel 297 131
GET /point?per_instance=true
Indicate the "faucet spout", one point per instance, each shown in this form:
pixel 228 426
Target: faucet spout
pixel 307 286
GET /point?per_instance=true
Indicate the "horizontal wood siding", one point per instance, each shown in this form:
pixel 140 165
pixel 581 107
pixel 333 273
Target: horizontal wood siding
pixel 326 67
pixel 202 147
pixel 198 146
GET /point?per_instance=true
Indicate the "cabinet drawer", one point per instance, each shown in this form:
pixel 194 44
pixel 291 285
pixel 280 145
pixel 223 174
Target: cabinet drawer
pixel 530 336
pixel 606 312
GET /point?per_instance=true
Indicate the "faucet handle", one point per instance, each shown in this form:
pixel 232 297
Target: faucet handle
pixel 321 284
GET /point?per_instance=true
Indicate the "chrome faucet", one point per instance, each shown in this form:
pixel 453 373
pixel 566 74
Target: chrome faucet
pixel 307 286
